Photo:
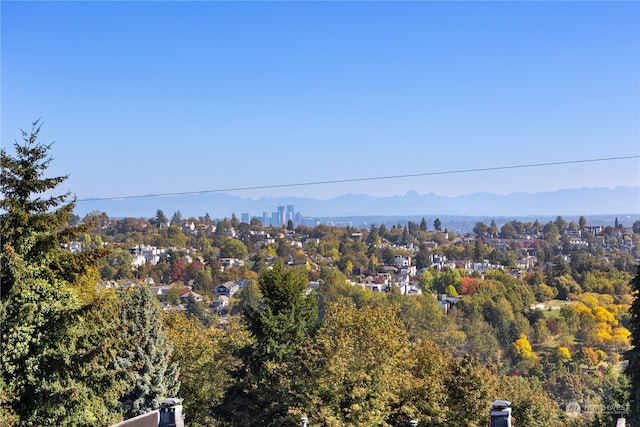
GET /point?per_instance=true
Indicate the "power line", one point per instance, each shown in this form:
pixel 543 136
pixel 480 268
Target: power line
pixel 374 178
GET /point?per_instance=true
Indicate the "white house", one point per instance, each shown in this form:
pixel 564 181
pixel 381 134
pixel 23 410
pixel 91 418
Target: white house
pixel 145 254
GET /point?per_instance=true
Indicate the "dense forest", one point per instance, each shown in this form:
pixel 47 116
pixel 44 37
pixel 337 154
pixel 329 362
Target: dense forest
pixel 542 315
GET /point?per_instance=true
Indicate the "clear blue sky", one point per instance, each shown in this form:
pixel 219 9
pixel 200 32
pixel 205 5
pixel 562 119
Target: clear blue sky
pixel 163 97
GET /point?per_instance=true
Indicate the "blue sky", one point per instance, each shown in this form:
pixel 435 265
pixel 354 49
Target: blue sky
pixel 164 97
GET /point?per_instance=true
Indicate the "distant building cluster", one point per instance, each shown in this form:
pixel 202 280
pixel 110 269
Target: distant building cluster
pixel 281 217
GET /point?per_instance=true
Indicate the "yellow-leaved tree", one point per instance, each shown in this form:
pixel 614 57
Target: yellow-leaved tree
pixel 522 348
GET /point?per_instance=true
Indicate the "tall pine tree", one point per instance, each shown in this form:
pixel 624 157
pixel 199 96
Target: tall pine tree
pixel 56 336
pixel 279 324
pixel 34 224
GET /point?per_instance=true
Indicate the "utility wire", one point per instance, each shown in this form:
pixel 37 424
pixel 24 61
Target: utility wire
pixel 374 178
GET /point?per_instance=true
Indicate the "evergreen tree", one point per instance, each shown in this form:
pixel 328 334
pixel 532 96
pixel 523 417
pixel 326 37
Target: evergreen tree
pixel 146 358
pixel 57 354
pixel 633 355
pixel 373 238
pixel 582 222
pixel 422 259
pixel 493 228
pixel 279 324
pixel 176 219
pixel 286 316
pixel 36 227
pixel 58 337
pixel 203 282
pixel 161 218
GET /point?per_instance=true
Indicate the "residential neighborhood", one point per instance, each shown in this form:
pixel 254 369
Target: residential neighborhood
pixel 398 258
pixel 523 280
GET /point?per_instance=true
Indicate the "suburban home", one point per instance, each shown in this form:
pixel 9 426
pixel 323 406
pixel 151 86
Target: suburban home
pixel 227 289
pixel 437 261
pixel 184 298
pixel 402 261
pixel 573 233
pixel 578 242
pixel 377 287
pixel 162 290
pixel 230 262
pixel 312 241
pixel 595 230
pixel 188 226
pixel 402 280
pixel 411 270
pixel 527 262
pixel 311 287
pixel 482 266
pixel 221 302
pixel 388 270
pixel 170 307
pixel 145 254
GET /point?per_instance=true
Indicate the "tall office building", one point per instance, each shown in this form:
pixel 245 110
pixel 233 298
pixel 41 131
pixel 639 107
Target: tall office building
pixel 291 212
pixel 276 219
pixel 281 216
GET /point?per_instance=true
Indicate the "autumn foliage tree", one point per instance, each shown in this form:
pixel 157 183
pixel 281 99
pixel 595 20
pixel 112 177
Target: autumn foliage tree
pixel 358 356
pixel 204 356
pixel 468 285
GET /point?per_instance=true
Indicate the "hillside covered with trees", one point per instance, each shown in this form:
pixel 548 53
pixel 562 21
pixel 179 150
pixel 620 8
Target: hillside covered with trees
pixel 102 318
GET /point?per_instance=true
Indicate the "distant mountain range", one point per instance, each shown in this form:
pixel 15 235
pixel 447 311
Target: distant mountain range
pixel 567 202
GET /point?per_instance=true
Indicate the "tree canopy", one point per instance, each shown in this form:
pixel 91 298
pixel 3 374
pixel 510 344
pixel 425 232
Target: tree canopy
pixel 62 339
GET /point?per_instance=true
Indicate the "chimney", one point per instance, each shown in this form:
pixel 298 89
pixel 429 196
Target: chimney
pixel 500 413
pixel 171 413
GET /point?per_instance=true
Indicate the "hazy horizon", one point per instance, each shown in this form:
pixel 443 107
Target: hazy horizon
pixel 375 98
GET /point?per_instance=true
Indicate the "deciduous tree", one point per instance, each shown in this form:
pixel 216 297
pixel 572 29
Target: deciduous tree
pixel 360 356
pixel 204 358
pixel 233 248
